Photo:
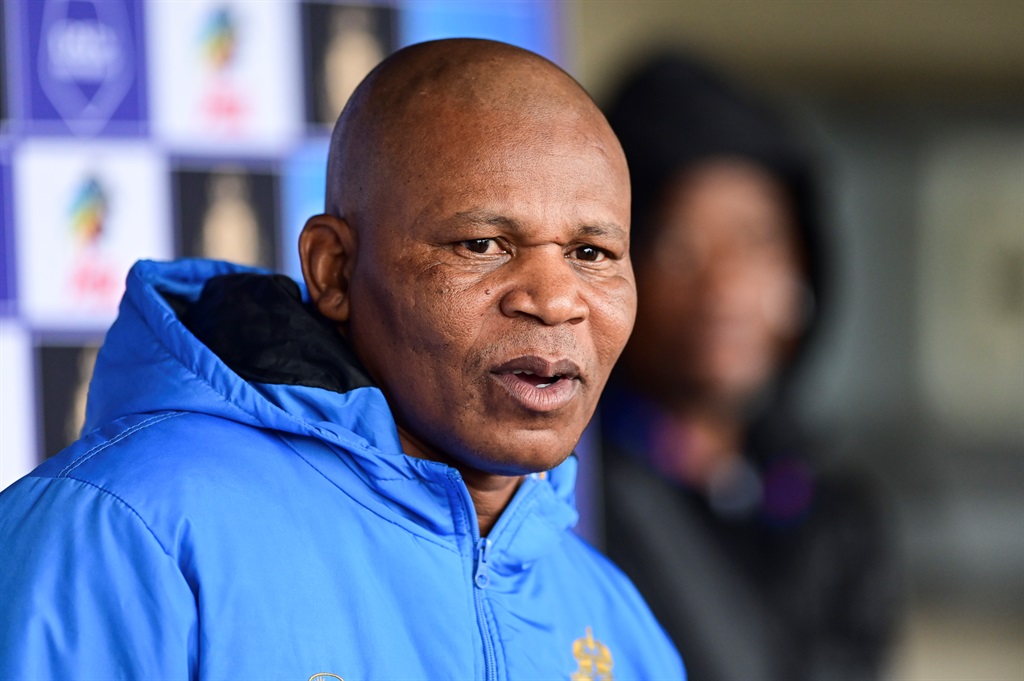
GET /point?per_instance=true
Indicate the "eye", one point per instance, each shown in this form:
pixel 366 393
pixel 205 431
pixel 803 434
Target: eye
pixel 589 254
pixel 482 246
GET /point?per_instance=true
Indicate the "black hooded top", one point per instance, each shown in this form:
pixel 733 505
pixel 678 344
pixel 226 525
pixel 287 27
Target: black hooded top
pixel 802 584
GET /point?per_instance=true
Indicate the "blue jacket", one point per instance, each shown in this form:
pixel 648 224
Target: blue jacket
pixel 209 526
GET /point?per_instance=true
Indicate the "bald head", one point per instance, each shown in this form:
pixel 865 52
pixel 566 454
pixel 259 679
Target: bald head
pixel 418 106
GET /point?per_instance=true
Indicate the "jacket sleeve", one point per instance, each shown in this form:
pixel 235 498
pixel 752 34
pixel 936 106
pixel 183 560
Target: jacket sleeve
pixel 88 591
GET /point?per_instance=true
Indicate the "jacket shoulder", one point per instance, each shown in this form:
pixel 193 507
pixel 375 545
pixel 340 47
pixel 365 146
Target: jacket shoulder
pixel 172 463
pixel 152 449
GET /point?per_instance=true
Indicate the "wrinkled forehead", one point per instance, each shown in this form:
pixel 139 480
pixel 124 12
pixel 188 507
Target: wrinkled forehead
pixel 507 160
pixel 448 135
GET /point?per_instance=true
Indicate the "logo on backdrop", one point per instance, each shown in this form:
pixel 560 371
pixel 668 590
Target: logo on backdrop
pixel 87 212
pixel 92 279
pixel 219 40
pixel 85 60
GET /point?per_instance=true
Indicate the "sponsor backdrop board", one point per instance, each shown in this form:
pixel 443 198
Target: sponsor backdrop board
pixel 156 129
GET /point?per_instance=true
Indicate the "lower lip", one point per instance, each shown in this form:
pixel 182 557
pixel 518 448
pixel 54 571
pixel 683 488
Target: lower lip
pixel 554 397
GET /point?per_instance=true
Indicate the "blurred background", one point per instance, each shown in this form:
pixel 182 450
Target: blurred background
pixel 161 129
pixel 916 110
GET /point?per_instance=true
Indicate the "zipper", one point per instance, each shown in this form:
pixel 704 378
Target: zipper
pixel 481 569
pixel 481 578
pixel 482 575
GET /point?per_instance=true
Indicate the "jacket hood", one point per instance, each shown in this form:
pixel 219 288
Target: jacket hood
pixel 151 360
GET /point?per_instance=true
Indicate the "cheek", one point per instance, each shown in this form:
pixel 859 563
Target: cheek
pixel 781 305
pixel 434 328
pixel 614 312
pixel 390 327
pixel 444 316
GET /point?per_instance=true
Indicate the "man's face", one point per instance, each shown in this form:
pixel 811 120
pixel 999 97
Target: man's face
pixel 492 290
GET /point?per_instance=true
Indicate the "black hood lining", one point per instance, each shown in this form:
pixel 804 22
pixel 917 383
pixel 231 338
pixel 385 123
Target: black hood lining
pixel 258 325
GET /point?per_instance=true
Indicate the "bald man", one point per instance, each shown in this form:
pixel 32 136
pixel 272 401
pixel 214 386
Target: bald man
pixel 371 478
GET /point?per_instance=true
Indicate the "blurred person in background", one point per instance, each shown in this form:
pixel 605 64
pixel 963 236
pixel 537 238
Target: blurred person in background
pixel 760 564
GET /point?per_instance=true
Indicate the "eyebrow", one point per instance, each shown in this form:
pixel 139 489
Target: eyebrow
pixel 599 229
pixel 605 229
pixel 486 218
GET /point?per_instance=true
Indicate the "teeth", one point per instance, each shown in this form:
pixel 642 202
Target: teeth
pixel 550 379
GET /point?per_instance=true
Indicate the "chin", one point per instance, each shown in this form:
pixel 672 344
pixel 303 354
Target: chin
pixel 529 453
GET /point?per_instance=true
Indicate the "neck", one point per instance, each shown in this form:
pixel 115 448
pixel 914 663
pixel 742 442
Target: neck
pixel 490 492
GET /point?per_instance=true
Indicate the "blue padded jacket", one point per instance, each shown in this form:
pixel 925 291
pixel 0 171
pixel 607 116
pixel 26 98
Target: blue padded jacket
pixel 211 526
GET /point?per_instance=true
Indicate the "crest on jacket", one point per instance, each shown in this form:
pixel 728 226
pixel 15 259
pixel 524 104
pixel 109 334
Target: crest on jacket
pixel 593 657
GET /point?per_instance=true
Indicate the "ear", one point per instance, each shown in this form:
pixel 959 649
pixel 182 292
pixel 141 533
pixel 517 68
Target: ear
pixel 327 249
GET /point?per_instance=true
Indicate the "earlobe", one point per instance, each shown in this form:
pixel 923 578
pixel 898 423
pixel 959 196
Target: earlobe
pixel 327 252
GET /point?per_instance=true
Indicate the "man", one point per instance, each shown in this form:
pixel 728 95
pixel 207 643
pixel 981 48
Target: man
pixel 373 481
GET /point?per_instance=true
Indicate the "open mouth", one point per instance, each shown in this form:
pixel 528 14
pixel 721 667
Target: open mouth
pixel 539 385
pixel 538 381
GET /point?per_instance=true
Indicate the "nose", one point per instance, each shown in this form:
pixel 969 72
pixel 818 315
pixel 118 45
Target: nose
pixel 546 287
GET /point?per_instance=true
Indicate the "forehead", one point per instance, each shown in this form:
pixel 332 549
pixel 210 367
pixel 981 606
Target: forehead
pixel 723 197
pixel 503 160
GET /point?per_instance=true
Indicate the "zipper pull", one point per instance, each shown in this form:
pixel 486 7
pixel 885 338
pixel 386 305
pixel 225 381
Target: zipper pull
pixel 481 577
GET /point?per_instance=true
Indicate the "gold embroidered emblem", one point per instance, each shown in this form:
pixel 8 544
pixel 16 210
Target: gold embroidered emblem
pixel 594 659
pixel 325 676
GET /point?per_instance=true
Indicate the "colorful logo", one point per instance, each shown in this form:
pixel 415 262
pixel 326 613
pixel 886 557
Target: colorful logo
pixel 88 211
pixel 593 657
pixel 92 279
pixel 222 103
pixel 219 39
